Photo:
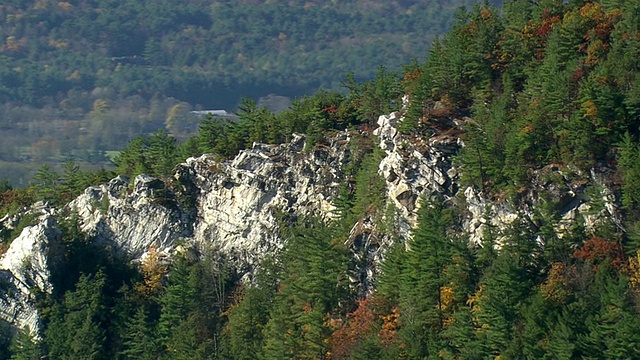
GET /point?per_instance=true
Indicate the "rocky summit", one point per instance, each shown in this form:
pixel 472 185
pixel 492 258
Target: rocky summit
pixel 235 206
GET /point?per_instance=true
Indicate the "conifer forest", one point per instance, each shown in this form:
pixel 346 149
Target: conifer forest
pixel 531 88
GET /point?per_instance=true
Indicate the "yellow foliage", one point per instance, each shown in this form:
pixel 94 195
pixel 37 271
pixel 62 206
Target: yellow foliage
pixel 58 44
pixel 307 308
pixel 474 300
pixel 555 288
pixel 447 296
pixel 590 109
pixel 153 272
pixel 634 271
pixel 74 76
pixel 595 51
pixel 13 44
pixel 40 5
pixel 591 11
pixel 100 106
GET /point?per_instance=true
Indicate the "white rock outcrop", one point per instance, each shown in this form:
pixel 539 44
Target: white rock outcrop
pixel 131 220
pixel 240 202
pixel 235 206
pixel 415 168
pixel 25 269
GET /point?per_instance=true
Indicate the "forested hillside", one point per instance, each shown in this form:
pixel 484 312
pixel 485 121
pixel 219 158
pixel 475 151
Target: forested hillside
pixel 80 78
pixel 545 98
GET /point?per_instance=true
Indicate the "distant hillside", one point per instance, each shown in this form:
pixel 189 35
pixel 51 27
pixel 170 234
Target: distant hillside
pixel 206 52
pixel 78 78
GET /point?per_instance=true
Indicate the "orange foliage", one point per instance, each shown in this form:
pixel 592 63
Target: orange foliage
pixel 598 250
pixel 388 333
pixel 527 129
pixel 578 74
pixel 410 81
pixel 598 27
pixel 306 309
pixel 3 248
pixel 411 76
pixel 15 197
pixel 359 325
pixel 485 13
pixel 332 109
pixel 555 288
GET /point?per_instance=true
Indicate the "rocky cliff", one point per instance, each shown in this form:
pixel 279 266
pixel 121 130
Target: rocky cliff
pixel 235 206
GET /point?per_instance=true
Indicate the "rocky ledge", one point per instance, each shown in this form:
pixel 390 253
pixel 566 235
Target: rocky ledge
pixel 235 206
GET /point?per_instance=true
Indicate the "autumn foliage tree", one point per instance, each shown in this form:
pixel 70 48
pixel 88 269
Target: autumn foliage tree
pixel 153 271
pixel 359 325
pixel 596 251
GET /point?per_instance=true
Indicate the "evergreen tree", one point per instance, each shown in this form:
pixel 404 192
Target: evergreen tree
pixel 388 286
pixel 312 287
pixel 140 338
pixel 25 347
pixel 177 304
pixel 613 328
pixel 248 318
pixel 630 169
pixel 47 182
pixel 77 327
pixel 161 153
pixel 504 289
pixel 423 297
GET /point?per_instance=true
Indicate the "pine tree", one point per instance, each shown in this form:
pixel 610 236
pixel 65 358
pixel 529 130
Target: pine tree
pixel 504 289
pixel 77 327
pixel 630 169
pixel 47 182
pixel 140 339
pixel 25 347
pixel 177 303
pixel 313 284
pixel 247 318
pixel 422 297
pixel 161 153
pixel 613 328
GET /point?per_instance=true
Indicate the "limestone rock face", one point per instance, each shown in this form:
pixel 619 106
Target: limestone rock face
pixel 236 206
pixel 415 168
pixel 420 168
pixel 233 206
pixel 135 219
pixel 240 202
pixel 27 266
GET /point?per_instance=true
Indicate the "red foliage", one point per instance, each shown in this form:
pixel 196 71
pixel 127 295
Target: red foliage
pixel 330 109
pixel 577 75
pixel 598 250
pixel 547 24
pixel 360 324
pixel 16 197
pixel 410 81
